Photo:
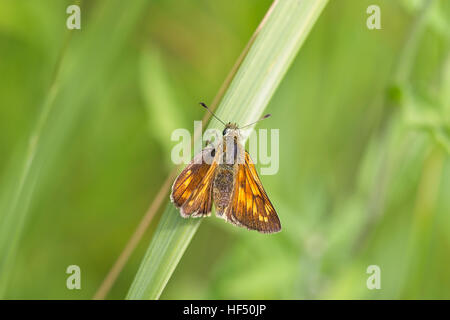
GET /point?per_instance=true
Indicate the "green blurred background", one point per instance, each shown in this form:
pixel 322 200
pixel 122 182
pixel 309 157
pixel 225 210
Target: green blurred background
pixel 364 174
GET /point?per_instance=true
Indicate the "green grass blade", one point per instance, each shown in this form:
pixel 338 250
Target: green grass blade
pixel 281 34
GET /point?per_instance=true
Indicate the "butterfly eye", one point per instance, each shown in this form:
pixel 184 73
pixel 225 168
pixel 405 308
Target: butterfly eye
pixel 213 152
pixel 224 131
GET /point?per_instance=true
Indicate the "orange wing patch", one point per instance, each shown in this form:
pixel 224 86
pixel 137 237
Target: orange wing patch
pixel 192 190
pixel 250 206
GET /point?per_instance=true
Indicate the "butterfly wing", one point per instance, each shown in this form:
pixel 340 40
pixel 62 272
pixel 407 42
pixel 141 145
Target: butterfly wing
pixel 250 206
pixel 192 189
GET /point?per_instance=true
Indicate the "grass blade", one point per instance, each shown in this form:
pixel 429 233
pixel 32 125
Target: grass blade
pixel 277 41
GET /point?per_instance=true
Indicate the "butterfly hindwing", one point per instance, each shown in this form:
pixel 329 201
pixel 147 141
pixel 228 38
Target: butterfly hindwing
pixel 250 206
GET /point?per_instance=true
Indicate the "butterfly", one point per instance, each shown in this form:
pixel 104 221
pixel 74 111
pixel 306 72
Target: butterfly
pixel 223 174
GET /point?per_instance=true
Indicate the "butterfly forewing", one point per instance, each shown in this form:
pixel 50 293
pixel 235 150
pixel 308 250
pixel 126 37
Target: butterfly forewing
pixel 192 190
pixel 250 206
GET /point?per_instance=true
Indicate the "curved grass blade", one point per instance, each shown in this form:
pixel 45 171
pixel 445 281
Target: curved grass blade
pixel 276 42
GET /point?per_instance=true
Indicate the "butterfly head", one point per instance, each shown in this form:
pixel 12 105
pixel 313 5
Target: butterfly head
pixel 230 128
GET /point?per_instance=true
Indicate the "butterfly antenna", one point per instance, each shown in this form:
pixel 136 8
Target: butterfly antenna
pixel 264 117
pixel 212 113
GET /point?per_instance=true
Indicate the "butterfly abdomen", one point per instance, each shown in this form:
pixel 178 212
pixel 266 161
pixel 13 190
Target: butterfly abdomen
pixel 223 187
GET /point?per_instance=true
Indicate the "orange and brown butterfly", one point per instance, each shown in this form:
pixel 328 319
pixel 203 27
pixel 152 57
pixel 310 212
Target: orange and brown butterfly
pixel 224 175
